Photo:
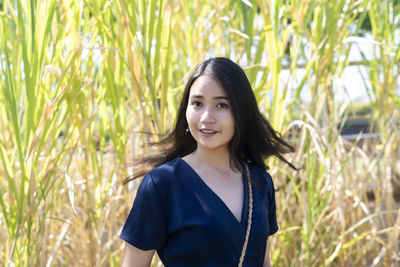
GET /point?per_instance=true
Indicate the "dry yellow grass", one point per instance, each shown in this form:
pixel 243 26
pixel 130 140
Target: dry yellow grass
pixel 80 79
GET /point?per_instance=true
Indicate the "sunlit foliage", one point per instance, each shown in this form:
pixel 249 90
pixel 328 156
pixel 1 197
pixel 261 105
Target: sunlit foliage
pixel 82 80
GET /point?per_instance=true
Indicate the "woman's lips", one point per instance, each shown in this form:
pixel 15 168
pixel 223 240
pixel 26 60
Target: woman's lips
pixel 208 132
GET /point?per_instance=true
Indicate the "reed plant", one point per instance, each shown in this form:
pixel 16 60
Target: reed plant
pixel 81 81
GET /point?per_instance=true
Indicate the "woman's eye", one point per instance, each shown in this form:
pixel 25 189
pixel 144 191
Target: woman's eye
pixel 222 105
pixel 196 103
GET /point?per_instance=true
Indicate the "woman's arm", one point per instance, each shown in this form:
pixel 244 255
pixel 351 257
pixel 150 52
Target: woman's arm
pixel 134 257
pixel 266 257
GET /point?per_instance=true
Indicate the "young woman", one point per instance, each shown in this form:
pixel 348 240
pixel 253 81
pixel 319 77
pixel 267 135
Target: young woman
pixel 208 200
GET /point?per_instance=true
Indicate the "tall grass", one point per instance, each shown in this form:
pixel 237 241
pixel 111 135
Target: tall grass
pixel 80 81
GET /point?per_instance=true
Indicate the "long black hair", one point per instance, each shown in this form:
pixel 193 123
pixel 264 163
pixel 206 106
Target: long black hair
pixel 254 139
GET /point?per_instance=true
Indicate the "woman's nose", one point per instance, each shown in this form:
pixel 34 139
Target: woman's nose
pixel 208 116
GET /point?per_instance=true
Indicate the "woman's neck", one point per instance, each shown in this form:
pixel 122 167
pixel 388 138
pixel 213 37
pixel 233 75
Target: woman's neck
pixel 218 160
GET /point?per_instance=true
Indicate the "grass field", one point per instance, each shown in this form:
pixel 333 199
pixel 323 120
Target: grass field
pixel 80 81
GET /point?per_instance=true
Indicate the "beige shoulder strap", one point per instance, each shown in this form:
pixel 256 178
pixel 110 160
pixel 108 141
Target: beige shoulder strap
pixel 249 221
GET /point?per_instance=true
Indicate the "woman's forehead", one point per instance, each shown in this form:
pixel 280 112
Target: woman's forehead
pixel 207 86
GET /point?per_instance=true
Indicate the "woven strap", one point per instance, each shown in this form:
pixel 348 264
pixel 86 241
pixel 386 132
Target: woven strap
pixel 249 221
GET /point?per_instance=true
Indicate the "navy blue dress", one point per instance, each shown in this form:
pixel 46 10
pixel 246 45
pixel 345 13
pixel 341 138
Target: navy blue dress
pixel 178 215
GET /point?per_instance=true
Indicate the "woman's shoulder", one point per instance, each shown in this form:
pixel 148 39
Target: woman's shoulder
pixel 258 171
pixel 166 173
pixel 261 177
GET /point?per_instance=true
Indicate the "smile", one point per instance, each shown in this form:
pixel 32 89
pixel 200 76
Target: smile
pixel 207 131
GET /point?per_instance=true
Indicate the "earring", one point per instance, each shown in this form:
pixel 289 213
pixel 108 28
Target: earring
pixel 187 131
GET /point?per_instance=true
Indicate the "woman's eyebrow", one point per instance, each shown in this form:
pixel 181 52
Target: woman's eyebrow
pixel 196 96
pixel 221 97
pixel 215 97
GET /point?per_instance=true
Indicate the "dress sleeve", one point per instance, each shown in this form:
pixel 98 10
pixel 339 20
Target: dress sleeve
pixel 270 194
pixel 145 227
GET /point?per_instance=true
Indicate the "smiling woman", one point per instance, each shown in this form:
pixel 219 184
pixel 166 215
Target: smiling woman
pixel 208 200
pixel 209 116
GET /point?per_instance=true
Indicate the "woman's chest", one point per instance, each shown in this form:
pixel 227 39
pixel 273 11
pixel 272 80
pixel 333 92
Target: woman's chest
pixel 200 211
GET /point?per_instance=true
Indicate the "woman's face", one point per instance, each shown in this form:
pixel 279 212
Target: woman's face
pixel 209 115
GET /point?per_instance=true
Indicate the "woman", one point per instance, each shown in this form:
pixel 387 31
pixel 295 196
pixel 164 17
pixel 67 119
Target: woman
pixel 208 200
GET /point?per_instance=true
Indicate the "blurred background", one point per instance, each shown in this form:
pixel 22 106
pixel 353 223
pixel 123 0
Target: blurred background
pixel 81 81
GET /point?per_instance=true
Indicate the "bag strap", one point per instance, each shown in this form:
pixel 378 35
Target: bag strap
pixel 249 221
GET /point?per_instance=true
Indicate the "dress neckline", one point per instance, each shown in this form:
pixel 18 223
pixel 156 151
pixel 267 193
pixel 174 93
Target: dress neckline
pixel 200 182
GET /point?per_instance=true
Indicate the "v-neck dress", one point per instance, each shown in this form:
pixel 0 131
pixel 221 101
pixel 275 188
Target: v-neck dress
pixel 178 215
